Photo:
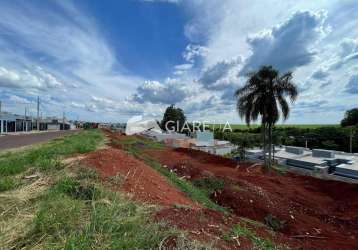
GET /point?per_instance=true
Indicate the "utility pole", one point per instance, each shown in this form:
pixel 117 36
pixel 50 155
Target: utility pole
pixel 38 113
pixel 25 122
pixel 63 120
pixel 1 121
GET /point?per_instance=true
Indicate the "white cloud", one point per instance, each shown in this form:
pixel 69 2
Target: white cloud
pixel 193 51
pixel 221 75
pixel 182 68
pixel 36 78
pixel 171 91
pixel 47 50
pixel 288 45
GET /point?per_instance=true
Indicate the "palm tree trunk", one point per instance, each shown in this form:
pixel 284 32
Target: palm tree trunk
pixel 270 144
pixel 264 142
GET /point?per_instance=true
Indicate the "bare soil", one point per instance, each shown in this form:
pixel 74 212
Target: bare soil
pixel 316 213
pixel 136 178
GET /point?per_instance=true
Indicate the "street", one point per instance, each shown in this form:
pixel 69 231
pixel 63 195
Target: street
pixel 15 141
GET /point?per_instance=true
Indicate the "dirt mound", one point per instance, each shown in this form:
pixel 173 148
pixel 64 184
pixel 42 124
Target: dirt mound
pixel 319 213
pixel 204 225
pixel 136 177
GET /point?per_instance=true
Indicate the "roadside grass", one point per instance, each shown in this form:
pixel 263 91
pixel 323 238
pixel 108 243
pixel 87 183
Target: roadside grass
pixel 48 156
pixel 68 207
pixel 195 193
pixel 107 220
pixel 140 142
pixel 7 183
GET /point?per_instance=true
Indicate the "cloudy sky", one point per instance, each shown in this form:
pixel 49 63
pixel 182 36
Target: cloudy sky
pixel 109 60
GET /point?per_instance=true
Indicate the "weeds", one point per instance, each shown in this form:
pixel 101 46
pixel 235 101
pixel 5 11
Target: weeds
pixel 241 230
pixel 110 221
pixel 58 215
pixel 275 223
pixel 210 184
pixel 7 183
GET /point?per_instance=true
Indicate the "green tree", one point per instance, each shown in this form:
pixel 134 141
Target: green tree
pixel 350 118
pixel 263 94
pixel 243 141
pixel 173 119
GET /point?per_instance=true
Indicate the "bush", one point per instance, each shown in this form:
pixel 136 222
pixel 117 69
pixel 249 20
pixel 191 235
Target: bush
pixel 75 189
pixel 210 184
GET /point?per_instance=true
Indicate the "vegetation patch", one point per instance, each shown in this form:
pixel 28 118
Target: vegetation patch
pixel 7 183
pixel 75 189
pixel 275 223
pixel 210 184
pixel 241 230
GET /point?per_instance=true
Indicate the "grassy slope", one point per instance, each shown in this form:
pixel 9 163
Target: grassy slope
pixel 68 207
pixel 134 146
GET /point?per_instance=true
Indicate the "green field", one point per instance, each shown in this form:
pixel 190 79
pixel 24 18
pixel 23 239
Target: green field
pixel 303 126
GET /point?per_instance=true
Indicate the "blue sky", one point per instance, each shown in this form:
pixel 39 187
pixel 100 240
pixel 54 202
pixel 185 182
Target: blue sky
pixel 108 61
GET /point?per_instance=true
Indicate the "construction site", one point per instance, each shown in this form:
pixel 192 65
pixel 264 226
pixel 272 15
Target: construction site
pixel 299 212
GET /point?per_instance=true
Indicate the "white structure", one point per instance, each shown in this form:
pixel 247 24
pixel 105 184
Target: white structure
pixel 327 163
pixel 204 138
pixel 205 142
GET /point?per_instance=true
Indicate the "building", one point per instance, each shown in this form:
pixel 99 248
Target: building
pixel 14 123
pixel 322 163
pixel 204 141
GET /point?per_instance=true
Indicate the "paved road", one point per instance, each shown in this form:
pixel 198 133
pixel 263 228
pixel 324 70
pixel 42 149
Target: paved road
pixel 14 141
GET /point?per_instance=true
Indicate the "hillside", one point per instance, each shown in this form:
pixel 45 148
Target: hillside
pixel 96 190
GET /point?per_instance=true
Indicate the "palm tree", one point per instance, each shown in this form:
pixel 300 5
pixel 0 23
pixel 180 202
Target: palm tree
pixel 263 94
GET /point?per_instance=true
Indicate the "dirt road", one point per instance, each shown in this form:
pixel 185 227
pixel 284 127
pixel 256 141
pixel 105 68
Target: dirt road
pixel 15 141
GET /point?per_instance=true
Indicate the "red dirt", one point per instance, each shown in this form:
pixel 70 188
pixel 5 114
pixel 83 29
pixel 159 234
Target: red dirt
pixel 139 179
pixel 209 226
pixel 204 225
pixel 327 210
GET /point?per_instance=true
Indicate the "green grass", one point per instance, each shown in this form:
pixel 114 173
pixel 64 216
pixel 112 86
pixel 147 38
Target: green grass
pixel 47 156
pixel 7 183
pixel 109 221
pixel 195 193
pixel 139 142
